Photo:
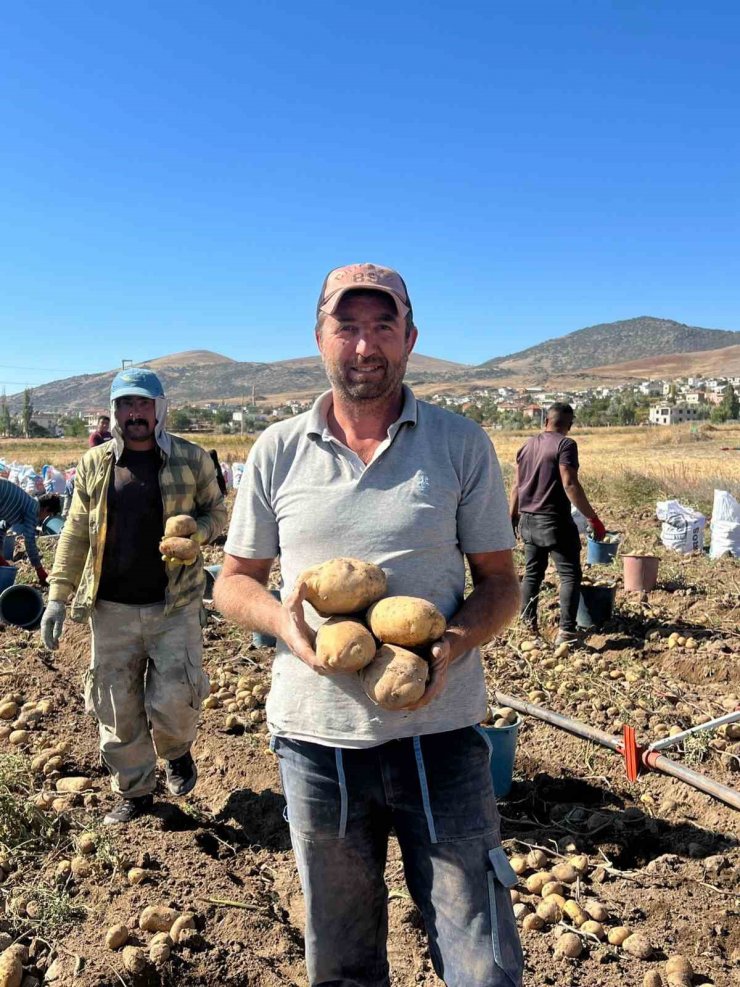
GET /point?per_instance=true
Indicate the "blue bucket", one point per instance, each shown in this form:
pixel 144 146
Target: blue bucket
pixel 261 640
pixel 7 576
pixel 211 574
pixel 503 750
pixel 600 553
pixel 595 606
pixel 52 525
pixel 21 605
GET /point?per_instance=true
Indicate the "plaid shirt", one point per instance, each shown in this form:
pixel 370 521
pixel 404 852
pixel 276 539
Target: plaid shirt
pixel 187 480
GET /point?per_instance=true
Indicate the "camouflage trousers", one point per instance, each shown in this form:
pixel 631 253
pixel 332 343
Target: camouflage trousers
pixel 145 686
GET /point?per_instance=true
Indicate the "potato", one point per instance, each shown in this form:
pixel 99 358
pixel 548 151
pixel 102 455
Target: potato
pixel 565 873
pixel 618 934
pixel 11 967
pixel 343 586
pixel 570 945
pixel 536 882
pixel 550 912
pixel 134 959
pixel 344 645
pixel 533 923
pixel 396 678
pixel 679 972
pixel 158 918
pixel 116 936
pixel 552 887
pixel 180 526
pixel 575 913
pixel 537 859
pixel 518 865
pixel 596 911
pixel 638 946
pixel 406 620
pixel 75 784
pixel 184 549
pixel 579 864
pixel 185 921
pixel 594 929
pixel 159 952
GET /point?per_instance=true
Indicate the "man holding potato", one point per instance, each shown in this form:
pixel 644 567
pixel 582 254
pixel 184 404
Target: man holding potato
pixel 372 474
pixel 143 505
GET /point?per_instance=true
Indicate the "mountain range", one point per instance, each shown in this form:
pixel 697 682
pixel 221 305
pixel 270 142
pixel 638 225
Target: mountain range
pixel 626 349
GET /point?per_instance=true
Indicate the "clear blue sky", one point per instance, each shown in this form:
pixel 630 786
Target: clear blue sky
pixel 179 174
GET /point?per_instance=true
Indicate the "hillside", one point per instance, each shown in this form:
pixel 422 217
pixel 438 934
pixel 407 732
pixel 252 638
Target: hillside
pixel 614 351
pixel 612 343
pixel 200 375
pixel 721 363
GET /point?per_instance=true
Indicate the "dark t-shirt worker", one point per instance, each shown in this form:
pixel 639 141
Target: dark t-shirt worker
pixel 545 486
pixel 101 434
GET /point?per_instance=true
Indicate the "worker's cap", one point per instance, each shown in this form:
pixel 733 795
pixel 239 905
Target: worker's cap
pixel 136 382
pixel 368 277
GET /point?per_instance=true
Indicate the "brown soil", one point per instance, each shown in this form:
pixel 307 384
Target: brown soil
pixel 664 858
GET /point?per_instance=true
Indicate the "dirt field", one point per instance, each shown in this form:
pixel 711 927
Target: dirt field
pixel 662 858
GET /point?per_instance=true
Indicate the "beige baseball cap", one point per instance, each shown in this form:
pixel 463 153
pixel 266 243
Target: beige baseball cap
pixel 367 276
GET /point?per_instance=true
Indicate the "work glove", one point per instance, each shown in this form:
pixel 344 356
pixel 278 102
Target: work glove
pixel 597 528
pixel 42 576
pixel 52 623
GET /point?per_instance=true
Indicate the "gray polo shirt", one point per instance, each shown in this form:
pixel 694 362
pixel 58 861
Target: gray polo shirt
pixel 432 492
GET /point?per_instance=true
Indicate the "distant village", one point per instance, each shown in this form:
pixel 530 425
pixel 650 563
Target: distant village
pixel 653 402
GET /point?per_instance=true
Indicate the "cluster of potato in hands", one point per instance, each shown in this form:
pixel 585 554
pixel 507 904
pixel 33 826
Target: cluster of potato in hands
pixel 351 594
pixel 179 546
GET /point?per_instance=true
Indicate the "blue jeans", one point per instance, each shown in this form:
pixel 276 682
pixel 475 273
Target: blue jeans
pixel 435 792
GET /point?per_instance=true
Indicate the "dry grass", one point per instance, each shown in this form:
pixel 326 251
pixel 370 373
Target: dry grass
pixel 637 466
pixel 634 465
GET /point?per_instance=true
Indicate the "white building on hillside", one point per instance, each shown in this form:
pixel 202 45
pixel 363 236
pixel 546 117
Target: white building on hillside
pixel 673 414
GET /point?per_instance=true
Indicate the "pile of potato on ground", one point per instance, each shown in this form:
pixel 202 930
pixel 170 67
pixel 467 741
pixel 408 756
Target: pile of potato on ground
pixel 351 594
pixel 554 895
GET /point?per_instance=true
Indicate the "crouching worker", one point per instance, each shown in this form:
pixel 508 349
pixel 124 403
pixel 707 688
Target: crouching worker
pixel 140 589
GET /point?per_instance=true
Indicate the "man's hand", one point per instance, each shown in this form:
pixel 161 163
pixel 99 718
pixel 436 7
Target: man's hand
pixel 515 523
pixel 295 632
pixel 52 623
pixel 42 575
pixel 439 662
pixel 599 531
pixel 4 561
pixel 180 551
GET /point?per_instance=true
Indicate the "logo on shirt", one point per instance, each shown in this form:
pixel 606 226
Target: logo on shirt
pixel 422 482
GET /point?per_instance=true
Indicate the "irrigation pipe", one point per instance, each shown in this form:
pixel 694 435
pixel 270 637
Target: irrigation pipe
pixel 649 759
pixel 660 745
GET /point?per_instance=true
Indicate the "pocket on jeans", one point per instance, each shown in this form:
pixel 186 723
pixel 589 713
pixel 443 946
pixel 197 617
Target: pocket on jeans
pixel 200 685
pixel 88 690
pixel 456 766
pixel 507 950
pixel 315 797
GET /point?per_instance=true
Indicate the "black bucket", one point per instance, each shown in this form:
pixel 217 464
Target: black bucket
pixel 596 605
pixel 21 605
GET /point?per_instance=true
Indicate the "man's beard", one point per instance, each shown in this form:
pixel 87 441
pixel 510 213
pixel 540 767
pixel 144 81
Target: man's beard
pixel 367 390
